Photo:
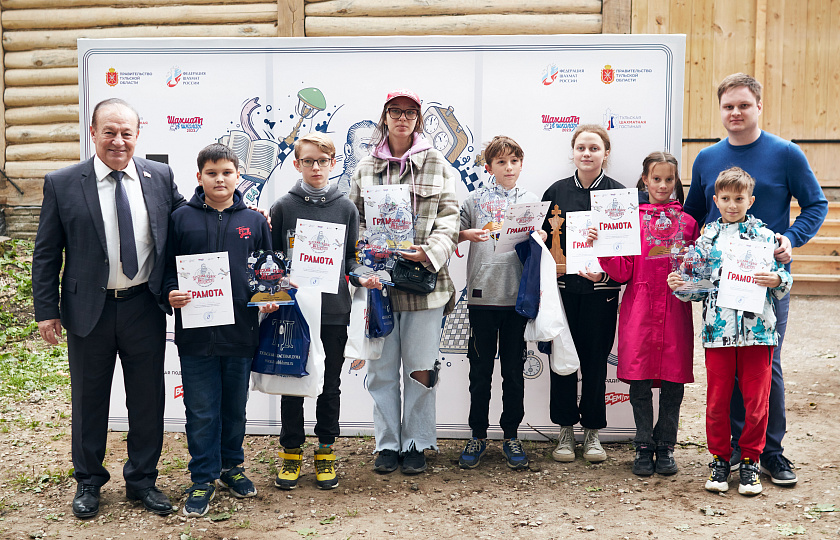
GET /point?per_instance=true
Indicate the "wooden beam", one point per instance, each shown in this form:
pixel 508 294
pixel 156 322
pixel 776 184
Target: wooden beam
pixel 290 18
pixel 40 95
pixel 454 25
pixel 33 192
pixel 28 19
pixel 3 108
pixel 36 169
pixel 39 77
pixel 50 39
pixel 43 151
pixel 43 114
pixel 616 16
pixel 36 59
pixel 43 133
pixel 409 8
pixel 34 4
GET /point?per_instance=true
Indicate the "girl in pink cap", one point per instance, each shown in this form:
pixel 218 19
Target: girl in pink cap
pixel 405 423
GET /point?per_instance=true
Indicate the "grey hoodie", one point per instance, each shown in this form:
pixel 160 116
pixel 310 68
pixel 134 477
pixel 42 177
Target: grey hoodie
pixel 334 207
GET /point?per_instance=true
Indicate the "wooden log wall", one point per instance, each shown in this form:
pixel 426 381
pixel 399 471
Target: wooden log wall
pixel 39 129
pixel 793 48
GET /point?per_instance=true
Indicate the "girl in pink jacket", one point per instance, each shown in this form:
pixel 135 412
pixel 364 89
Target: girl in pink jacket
pixel 655 335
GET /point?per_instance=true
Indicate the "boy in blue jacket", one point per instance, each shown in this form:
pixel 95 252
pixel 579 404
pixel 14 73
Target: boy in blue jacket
pixel 216 360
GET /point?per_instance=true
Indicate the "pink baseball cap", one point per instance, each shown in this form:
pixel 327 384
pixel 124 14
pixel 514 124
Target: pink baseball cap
pixel 403 92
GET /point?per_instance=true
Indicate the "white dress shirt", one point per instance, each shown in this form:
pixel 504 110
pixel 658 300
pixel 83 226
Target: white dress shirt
pixel 106 187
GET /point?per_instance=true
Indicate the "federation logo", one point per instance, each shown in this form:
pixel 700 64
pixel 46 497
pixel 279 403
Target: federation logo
pixel 205 277
pixel 550 74
pixel 112 77
pixel 607 74
pixel 173 76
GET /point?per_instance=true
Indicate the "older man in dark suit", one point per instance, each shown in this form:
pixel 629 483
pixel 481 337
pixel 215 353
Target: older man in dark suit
pixel 106 220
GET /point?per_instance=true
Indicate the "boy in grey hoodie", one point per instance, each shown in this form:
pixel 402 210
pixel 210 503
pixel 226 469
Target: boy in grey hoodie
pixel 492 286
pixel 315 199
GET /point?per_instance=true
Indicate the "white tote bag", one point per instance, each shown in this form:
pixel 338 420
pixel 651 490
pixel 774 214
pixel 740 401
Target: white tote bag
pixel 548 324
pixel 310 385
pixel 359 346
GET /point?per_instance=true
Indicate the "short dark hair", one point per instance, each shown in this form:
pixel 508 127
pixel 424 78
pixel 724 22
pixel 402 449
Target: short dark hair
pixel 501 145
pixel 216 152
pixel 109 102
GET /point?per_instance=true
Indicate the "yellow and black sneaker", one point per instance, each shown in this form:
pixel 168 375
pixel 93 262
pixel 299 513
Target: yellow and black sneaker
pixel 325 468
pixel 289 473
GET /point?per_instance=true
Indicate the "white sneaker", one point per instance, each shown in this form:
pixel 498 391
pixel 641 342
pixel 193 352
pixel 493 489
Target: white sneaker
pixel 592 450
pixel 565 451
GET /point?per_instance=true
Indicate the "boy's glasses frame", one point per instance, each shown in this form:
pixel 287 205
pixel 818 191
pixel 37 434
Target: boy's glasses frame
pixel 308 163
pixel 410 114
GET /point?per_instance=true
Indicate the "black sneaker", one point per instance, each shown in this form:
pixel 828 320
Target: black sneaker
pixel 666 465
pixel 643 463
pixel 719 479
pixel 735 459
pixel 414 462
pixel 238 484
pixel 779 469
pixel 750 481
pixel 198 500
pixel 386 462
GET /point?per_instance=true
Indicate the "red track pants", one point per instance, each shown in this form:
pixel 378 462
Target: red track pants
pixel 753 368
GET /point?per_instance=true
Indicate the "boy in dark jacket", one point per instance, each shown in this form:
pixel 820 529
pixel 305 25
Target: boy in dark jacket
pixel 314 198
pixel 216 360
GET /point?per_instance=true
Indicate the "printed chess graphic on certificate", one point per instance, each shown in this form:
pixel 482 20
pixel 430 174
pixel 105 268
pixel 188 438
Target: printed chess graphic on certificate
pixel 318 255
pixel 616 215
pixel 520 221
pixel 207 277
pixel 737 289
pixel 580 254
pixel 388 216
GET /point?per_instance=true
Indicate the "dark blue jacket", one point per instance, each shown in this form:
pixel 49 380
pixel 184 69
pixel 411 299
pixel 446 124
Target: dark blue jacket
pixel 199 228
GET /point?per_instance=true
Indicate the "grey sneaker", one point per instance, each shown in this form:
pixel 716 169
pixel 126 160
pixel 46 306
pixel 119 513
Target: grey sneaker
pixel 565 451
pixel 592 450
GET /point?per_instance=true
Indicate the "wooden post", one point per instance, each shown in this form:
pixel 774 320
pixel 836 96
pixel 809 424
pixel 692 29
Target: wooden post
pixel 3 108
pixel 760 45
pixel 616 16
pixel 290 18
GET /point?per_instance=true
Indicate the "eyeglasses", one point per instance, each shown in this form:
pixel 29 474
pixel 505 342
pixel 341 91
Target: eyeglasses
pixel 323 162
pixel 395 113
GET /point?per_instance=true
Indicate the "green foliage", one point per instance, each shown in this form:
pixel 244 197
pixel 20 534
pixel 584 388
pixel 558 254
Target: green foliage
pixel 23 371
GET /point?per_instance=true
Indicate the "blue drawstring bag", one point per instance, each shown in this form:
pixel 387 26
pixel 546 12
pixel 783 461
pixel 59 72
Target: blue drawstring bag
pixel 284 342
pixel 380 320
pixel 528 297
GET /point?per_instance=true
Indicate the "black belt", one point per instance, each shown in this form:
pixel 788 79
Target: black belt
pixel 125 294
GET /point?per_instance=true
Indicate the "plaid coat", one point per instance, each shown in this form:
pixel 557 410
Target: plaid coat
pixel 432 181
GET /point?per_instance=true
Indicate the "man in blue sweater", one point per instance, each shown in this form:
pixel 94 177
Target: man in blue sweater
pixel 781 171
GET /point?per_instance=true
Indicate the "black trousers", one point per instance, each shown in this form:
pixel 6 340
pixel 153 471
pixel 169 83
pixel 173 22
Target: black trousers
pixel 136 329
pixel 487 326
pixel 592 319
pixel 328 406
pixel 664 433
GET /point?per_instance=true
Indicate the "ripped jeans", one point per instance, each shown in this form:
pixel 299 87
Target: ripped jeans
pixel 413 345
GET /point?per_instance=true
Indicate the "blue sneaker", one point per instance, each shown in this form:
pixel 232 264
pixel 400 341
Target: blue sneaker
pixel 515 454
pixel 238 484
pixel 198 499
pixel 471 456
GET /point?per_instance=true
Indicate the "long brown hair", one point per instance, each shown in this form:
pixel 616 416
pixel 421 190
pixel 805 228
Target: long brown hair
pixel 661 157
pixel 381 132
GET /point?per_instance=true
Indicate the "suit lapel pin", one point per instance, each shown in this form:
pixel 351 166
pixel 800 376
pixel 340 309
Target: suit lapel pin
pixel 146 174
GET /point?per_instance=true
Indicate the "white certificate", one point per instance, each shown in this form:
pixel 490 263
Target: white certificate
pixel 520 221
pixel 737 289
pixel 616 216
pixel 388 216
pixel 319 250
pixel 580 254
pixel 207 277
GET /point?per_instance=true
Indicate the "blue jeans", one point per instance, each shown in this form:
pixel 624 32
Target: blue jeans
pixel 776 420
pixel 215 395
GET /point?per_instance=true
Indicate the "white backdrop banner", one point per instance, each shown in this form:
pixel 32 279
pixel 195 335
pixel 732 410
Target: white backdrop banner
pixel 259 95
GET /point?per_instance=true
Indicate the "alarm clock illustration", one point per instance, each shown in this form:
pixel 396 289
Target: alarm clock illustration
pixel 445 132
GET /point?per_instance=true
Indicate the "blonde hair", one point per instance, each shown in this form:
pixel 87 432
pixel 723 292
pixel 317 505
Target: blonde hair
pixel 735 179
pixel 322 141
